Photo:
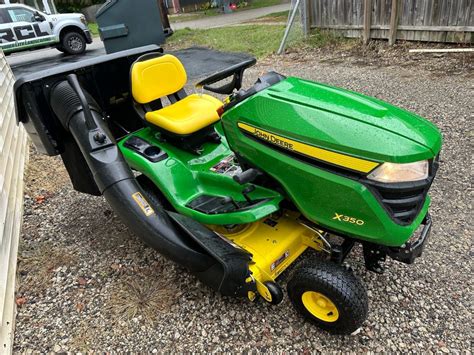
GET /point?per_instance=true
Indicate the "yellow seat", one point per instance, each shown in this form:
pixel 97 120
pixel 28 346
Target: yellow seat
pixel 161 76
pixel 186 116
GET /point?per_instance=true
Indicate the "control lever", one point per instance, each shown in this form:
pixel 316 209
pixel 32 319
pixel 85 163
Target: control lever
pixel 228 199
pixel 247 176
pixel 248 190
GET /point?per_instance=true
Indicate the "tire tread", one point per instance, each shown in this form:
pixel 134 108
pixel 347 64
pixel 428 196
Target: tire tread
pixel 350 291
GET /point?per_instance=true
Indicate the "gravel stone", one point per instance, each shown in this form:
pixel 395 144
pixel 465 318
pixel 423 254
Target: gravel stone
pixel 424 307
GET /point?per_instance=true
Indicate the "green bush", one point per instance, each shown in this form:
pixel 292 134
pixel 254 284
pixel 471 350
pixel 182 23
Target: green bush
pixel 75 5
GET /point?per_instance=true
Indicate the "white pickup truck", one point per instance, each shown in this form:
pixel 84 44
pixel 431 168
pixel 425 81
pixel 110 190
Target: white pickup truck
pixel 23 28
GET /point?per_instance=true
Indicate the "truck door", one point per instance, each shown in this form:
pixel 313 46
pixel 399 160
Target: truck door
pixel 6 33
pixel 25 29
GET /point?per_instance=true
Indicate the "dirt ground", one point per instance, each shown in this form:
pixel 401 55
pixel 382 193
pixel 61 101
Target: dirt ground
pixel 86 283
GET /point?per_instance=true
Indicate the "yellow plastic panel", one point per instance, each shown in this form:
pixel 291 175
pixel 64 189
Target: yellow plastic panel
pixel 157 77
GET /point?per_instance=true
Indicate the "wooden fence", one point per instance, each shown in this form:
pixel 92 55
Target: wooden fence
pixel 412 20
pixel 13 155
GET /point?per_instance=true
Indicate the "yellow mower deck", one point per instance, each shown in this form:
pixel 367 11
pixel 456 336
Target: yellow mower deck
pixel 275 243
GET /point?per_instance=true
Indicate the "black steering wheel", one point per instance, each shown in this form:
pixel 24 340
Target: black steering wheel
pixel 236 70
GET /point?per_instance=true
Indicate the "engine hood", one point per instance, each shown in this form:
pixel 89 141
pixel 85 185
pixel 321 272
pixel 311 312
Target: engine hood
pixel 340 120
pixel 69 16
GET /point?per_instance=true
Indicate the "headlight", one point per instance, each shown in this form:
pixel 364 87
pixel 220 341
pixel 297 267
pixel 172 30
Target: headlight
pixel 83 20
pixel 391 172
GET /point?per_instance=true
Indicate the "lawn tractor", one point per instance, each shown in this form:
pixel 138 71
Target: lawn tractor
pixel 236 191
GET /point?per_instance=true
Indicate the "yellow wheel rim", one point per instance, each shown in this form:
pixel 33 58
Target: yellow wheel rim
pixel 320 306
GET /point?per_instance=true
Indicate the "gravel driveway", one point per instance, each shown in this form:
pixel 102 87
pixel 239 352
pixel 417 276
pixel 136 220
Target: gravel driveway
pixel 86 283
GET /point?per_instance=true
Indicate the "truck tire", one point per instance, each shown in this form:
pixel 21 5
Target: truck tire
pixel 73 42
pixel 329 296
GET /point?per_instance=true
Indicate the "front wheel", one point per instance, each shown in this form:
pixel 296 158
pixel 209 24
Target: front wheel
pixel 73 43
pixel 329 296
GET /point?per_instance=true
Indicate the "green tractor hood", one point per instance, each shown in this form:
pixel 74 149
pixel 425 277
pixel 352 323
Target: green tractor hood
pixel 319 143
pixel 341 121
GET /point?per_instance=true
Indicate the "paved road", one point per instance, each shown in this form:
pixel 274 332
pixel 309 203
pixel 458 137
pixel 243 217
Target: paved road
pixel 230 19
pixel 43 56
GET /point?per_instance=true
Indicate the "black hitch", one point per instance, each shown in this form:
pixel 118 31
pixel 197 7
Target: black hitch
pixel 375 255
pixel 340 252
pixel 409 251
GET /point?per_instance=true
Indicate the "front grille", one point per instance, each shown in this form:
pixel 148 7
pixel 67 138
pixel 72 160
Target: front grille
pixel 403 201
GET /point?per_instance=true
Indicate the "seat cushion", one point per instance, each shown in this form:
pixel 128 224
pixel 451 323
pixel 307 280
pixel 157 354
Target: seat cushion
pixel 186 116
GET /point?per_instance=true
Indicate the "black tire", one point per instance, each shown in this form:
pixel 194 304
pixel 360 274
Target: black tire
pixel 340 286
pixel 73 42
pixel 275 291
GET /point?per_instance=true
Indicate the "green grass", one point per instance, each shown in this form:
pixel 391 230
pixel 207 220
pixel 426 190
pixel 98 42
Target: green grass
pixel 281 16
pixel 323 38
pixel 256 4
pixel 94 28
pixel 259 40
pixel 277 14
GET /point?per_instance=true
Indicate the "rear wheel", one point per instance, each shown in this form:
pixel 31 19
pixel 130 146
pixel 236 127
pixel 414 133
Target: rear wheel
pixel 73 43
pixel 329 296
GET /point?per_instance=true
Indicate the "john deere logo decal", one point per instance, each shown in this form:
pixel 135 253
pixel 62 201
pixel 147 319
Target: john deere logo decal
pixel 272 139
pixel 310 151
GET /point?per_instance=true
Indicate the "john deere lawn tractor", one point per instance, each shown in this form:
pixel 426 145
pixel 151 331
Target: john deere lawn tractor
pixel 237 191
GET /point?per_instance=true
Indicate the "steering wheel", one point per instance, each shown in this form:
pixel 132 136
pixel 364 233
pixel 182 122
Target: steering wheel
pixel 236 70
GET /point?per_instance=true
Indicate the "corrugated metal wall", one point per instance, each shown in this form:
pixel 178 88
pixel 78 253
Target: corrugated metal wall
pixel 418 20
pixel 13 156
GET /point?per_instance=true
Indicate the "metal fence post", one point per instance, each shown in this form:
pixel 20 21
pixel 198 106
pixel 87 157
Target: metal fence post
pixel 288 27
pixel 367 21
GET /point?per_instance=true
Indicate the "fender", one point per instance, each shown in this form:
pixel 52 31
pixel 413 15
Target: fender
pixel 62 24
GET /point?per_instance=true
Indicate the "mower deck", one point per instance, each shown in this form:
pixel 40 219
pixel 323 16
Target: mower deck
pixel 274 243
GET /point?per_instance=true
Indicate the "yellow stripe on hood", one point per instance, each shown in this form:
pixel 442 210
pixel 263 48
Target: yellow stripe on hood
pixel 345 161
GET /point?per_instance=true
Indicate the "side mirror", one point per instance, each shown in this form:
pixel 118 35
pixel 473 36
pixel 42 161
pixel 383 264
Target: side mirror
pixel 38 17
